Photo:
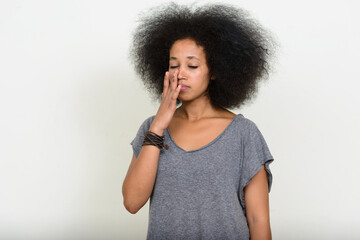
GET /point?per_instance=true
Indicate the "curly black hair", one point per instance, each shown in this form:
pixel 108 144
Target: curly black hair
pixel 238 50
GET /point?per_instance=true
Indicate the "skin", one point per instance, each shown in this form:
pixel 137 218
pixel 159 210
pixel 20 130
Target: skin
pixel 189 126
pixel 193 125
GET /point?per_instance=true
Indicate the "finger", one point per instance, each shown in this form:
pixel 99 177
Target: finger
pixel 174 81
pixel 166 83
pixel 177 92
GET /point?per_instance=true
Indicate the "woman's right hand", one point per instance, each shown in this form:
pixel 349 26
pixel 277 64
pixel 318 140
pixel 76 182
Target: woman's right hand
pixel 140 178
pixel 168 103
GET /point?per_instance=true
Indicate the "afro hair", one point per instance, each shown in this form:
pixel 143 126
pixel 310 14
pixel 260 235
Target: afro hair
pixel 237 48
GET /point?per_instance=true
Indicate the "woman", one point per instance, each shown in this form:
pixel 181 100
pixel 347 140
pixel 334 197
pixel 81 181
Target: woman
pixel 204 168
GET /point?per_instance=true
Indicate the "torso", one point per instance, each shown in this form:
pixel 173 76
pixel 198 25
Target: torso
pixel 196 134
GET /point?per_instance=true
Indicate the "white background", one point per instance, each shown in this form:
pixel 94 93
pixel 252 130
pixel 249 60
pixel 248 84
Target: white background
pixel 70 104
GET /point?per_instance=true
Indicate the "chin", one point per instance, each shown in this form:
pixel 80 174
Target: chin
pixel 190 97
pixel 184 98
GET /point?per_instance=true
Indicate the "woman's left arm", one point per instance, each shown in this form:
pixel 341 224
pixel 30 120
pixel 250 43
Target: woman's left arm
pixel 257 206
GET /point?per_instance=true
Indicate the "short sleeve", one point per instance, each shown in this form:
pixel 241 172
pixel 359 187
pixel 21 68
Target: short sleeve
pixel 138 140
pixel 255 153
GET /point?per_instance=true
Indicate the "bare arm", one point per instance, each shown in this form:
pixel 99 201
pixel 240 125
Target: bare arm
pixel 140 178
pixel 257 206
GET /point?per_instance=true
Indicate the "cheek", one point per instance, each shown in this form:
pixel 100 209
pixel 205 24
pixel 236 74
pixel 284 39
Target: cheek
pixel 205 83
pixel 205 78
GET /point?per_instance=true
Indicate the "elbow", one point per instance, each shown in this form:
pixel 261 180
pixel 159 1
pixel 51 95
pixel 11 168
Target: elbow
pixel 132 201
pixel 128 203
pixel 130 207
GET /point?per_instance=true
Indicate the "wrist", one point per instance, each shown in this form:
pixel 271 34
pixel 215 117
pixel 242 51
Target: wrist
pixel 156 129
pixel 152 138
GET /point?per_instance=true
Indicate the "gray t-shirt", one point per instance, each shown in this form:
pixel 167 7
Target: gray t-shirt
pixel 199 194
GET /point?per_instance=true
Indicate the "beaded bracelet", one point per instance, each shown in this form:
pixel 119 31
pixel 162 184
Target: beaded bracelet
pixel 152 138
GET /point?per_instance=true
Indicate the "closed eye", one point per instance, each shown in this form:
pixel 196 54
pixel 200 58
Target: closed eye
pixel 189 66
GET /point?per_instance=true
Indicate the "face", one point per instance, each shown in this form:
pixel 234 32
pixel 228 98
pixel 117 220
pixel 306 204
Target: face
pixel 193 74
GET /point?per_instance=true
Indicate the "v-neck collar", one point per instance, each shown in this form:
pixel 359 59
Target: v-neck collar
pixel 208 144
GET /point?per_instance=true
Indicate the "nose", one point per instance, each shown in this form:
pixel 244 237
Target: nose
pixel 181 73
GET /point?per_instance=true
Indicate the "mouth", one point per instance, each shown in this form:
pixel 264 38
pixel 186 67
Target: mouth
pixel 184 87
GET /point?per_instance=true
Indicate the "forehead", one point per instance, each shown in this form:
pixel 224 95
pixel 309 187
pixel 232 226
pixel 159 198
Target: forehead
pixel 187 48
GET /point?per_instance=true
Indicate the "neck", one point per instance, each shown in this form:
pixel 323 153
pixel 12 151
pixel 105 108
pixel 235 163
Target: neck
pixel 197 109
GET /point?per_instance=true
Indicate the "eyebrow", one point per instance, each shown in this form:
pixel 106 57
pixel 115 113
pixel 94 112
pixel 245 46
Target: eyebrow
pixel 189 57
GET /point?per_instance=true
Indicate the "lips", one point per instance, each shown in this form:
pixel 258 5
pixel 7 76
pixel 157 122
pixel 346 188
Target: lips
pixel 184 87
